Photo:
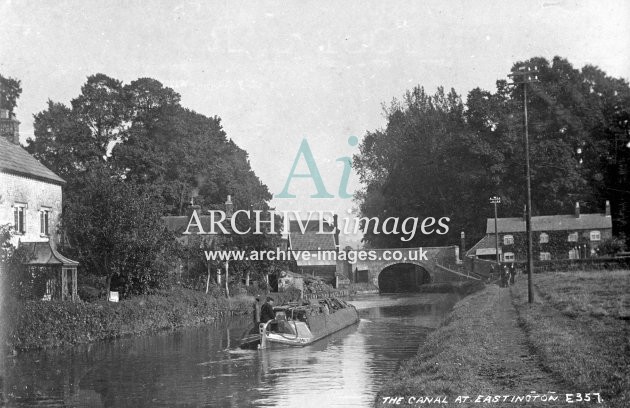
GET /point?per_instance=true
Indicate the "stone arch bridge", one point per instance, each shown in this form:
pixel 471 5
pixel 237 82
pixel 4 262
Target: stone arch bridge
pixel 404 269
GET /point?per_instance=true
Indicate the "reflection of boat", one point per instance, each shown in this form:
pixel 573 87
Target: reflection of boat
pixel 302 324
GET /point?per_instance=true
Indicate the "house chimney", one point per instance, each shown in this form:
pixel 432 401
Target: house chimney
pixel 462 245
pixel 607 208
pixel 9 126
pixel 192 207
pixel 229 207
pixel 577 210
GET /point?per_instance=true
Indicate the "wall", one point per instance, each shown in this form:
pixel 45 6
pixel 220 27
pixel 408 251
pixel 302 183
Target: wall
pixel 36 194
pixel 446 256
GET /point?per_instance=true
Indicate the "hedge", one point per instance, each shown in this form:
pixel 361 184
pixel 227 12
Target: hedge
pixel 39 324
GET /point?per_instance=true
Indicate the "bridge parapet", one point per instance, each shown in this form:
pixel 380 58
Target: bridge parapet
pixel 425 257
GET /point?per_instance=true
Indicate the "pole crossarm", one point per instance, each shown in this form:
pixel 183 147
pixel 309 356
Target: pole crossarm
pixel 525 75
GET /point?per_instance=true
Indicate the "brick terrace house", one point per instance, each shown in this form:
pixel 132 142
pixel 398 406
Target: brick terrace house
pixel 553 237
pixel 31 202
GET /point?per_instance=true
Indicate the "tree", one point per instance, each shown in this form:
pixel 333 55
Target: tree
pixel 130 153
pixel 407 167
pixel 115 230
pixel 248 269
pixel 103 108
pixel 437 157
pixel 63 142
pixel 188 155
pixel 611 246
pixel 10 91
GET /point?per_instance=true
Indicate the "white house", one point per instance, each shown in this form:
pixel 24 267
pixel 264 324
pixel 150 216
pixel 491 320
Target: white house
pixel 31 202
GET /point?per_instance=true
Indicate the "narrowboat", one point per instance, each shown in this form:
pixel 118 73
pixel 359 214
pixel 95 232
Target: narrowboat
pixel 302 324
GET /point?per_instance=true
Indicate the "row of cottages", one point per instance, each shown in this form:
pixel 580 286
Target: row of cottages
pixel 571 236
pixel 30 203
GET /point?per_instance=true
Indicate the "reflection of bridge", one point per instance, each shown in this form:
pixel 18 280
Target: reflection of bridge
pixel 404 269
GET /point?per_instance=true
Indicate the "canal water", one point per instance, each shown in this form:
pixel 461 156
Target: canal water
pixel 204 366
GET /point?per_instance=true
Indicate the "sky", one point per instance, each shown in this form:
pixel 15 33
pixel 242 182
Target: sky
pixel 281 72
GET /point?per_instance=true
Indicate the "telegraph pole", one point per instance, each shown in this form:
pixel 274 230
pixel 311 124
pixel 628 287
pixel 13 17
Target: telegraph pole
pixel 496 200
pixel 525 75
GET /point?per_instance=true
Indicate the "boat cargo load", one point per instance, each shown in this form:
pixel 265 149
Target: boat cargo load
pixel 300 324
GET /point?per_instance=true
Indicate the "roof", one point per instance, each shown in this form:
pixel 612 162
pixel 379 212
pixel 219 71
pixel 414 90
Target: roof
pixel 311 239
pixel 480 248
pixel 178 224
pixel 42 253
pixel 15 160
pixel 551 223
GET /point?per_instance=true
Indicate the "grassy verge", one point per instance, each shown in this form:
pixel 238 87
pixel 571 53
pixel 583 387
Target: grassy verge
pixel 579 328
pixel 575 338
pixel 447 363
pixel 37 324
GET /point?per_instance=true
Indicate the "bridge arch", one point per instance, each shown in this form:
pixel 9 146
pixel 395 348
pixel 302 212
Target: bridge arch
pixel 402 276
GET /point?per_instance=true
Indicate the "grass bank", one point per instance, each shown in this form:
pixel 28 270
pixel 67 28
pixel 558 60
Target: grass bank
pixel 579 327
pixel 448 362
pixel 36 324
pixel 575 338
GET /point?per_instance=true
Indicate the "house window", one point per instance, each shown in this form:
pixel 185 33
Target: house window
pixel 19 218
pixel 545 256
pixel 573 237
pixel 508 239
pixel 544 238
pixel 574 254
pixel 44 216
pixel 508 257
pixel 596 236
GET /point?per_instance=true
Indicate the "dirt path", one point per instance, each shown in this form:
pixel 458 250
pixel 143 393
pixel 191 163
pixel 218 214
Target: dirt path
pixel 483 354
pixel 514 369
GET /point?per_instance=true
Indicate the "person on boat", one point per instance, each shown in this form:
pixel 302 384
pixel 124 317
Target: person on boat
pixel 256 307
pixel 326 309
pixel 266 311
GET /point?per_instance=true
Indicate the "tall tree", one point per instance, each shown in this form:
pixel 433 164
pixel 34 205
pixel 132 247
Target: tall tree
pixel 437 158
pixel 407 167
pixel 188 155
pixel 130 154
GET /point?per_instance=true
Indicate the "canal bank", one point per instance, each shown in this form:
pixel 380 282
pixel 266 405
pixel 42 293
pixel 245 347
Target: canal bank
pixel 203 365
pixel 479 350
pixel 30 325
pixel 573 339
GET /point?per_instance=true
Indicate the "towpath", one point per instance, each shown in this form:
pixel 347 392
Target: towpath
pixel 513 366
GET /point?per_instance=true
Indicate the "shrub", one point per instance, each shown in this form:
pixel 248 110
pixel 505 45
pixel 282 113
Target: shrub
pixel 39 324
pixel 89 293
pixel 611 246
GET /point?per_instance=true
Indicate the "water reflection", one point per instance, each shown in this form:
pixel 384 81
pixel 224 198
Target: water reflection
pixel 204 367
